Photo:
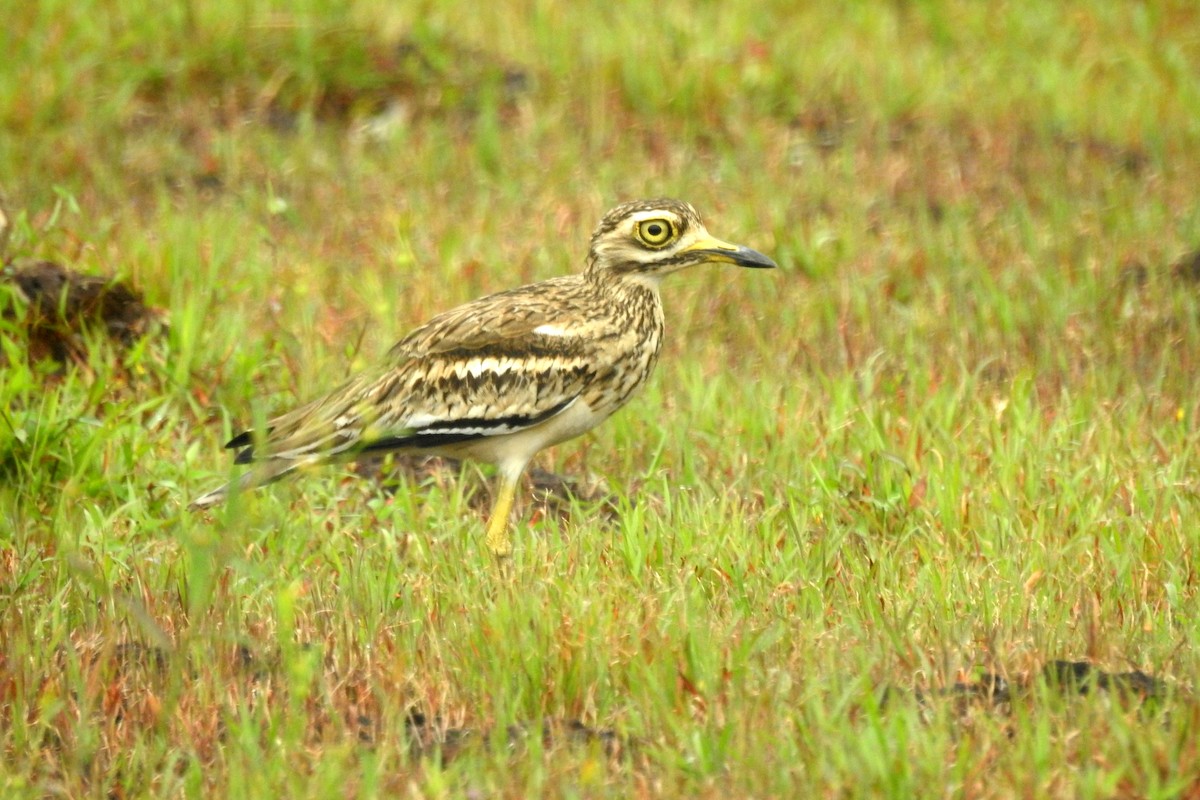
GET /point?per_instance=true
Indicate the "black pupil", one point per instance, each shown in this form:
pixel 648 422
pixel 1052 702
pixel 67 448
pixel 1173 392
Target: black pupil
pixel 655 230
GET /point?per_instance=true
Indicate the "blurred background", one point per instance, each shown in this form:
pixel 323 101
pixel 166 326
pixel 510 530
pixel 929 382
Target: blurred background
pixel 955 431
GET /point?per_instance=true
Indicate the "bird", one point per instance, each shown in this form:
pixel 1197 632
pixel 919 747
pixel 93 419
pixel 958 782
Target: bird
pixel 505 376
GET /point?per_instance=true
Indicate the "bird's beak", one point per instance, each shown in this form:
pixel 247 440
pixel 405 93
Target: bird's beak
pixel 717 250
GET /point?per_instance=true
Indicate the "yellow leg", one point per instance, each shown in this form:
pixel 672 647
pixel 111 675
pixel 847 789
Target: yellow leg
pixel 498 540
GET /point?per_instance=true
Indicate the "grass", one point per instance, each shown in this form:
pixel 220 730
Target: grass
pixel 956 432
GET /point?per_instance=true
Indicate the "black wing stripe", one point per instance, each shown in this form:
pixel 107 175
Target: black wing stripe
pixel 243 439
pixel 461 430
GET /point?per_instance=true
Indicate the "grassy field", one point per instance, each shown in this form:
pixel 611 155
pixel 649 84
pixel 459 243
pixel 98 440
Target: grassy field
pixel 954 436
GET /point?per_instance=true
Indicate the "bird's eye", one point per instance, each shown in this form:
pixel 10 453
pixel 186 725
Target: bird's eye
pixel 655 232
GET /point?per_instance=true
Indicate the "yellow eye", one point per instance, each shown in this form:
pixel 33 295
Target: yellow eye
pixel 655 232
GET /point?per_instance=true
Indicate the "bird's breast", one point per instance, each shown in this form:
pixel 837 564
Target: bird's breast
pixel 633 349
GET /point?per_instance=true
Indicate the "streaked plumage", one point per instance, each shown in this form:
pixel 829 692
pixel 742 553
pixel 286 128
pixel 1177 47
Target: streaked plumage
pixel 502 377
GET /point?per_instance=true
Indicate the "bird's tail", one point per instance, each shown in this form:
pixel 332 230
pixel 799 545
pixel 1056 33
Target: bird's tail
pixel 260 474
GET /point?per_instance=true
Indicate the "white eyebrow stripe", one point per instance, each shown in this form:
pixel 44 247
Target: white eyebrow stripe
pixel 421 420
pixel 654 213
pixel 548 329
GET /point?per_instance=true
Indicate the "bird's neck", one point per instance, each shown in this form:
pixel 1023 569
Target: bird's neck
pixel 633 297
pixel 615 280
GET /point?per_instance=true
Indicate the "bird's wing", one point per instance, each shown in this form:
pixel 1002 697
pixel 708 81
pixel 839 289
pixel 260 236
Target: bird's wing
pixel 491 367
pixel 502 319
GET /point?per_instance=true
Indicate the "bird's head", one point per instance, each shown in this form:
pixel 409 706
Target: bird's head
pixel 648 239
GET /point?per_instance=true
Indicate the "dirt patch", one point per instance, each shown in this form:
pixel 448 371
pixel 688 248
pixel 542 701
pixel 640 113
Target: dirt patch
pixel 1134 274
pixel 992 691
pixel 60 310
pixel 1187 268
pixel 57 311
